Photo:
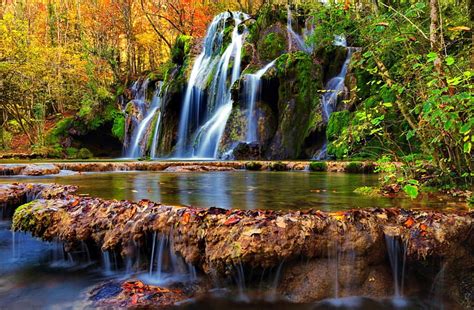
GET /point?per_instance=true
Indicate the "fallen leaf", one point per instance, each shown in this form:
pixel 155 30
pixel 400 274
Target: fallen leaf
pixel 232 220
pixel 409 222
pixel 253 231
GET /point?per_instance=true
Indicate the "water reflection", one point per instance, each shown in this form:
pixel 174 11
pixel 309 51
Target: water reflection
pixel 242 189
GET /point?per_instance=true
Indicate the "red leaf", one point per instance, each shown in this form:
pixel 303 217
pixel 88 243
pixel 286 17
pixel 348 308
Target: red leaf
pixel 232 220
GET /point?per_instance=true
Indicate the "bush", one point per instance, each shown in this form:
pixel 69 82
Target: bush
pixel 71 152
pixel 84 154
pixel 318 166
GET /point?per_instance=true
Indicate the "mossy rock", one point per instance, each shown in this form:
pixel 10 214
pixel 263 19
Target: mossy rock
pixel 271 46
pixel 299 111
pixel 336 124
pixel 278 166
pixel 318 166
pixel 181 49
pixel 253 166
pixel 360 167
pixel 84 153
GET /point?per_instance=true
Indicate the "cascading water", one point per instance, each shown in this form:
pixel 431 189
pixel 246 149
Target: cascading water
pixel 332 91
pixel 139 139
pixel 202 123
pixel 166 266
pixel 253 88
pixel 299 39
pixel 397 256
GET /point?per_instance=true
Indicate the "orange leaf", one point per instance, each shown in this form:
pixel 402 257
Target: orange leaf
pixel 186 218
pixel 134 299
pixel 232 220
pixel 75 203
pixel 423 227
pixel 409 222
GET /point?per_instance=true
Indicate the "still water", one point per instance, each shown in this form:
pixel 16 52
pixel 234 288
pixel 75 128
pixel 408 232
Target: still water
pixel 242 189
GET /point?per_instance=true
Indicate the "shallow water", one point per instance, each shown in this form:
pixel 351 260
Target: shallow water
pixel 241 189
pixel 35 274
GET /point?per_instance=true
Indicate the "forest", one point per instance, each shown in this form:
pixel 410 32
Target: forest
pixel 237 153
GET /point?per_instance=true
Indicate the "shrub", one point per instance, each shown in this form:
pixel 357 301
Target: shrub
pixel 84 154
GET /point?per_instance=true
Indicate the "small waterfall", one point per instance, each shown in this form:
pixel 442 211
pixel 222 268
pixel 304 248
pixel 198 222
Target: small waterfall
pixel 397 257
pixel 138 142
pixel 107 263
pixel 299 39
pixel 252 88
pixel 165 265
pixel 334 87
pixel 202 123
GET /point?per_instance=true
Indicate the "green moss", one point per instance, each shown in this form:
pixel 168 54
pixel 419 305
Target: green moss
pixel 336 124
pixel 59 130
pixel 84 153
pixel 272 46
pixel 300 80
pixel 318 166
pixel 368 191
pixel 278 166
pixel 118 127
pixel 181 49
pixel 253 166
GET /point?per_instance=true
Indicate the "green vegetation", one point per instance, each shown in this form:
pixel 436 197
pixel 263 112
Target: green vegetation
pixel 318 166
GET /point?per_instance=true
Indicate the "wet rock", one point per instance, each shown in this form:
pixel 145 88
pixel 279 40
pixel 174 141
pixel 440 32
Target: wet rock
pixel 134 294
pixel 40 169
pixel 250 151
pixel 214 239
pixel 197 168
pixel 11 169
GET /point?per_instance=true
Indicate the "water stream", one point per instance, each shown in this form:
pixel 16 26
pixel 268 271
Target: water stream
pixel 332 91
pixel 138 140
pixel 203 118
pixel 253 89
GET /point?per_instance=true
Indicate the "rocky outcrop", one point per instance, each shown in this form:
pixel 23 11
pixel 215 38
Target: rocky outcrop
pixel 317 248
pixel 29 169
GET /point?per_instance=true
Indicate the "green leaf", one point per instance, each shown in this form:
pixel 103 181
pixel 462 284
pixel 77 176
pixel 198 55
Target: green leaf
pixel 465 128
pixel 450 61
pixel 467 147
pixel 411 191
pixel 432 56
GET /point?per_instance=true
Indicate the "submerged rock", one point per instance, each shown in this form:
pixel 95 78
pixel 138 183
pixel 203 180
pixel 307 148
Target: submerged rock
pixel 40 169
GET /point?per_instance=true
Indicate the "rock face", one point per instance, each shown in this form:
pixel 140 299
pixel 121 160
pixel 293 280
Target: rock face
pixel 354 244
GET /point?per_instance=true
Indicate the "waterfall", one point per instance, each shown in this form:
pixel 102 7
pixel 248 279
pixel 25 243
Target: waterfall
pixel 252 88
pixel 332 90
pixel 166 266
pixel 138 141
pixel 299 39
pixel 397 257
pixel 203 119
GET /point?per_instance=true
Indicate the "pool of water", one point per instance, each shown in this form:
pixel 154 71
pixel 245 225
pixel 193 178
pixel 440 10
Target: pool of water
pixel 241 189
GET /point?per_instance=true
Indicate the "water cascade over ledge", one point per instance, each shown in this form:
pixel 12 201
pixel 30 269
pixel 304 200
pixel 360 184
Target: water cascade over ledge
pixel 253 88
pixel 203 119
pixel 332 91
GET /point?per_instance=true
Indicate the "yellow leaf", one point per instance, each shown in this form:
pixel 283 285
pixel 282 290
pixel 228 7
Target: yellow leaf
pixel 252 231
